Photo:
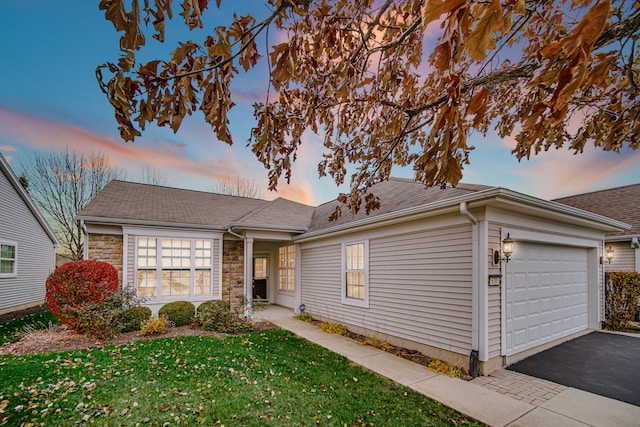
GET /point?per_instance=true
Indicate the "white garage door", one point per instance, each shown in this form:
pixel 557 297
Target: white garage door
pixel 547 294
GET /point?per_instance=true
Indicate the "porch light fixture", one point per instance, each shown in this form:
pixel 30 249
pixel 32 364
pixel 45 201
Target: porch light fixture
pixel 507 250
pixel 610 253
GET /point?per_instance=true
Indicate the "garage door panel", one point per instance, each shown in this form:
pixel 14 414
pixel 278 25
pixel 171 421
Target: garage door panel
pixel 546 294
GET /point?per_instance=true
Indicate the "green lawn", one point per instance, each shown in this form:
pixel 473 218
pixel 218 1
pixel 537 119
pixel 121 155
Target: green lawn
pixel 258 379
pixel 14 329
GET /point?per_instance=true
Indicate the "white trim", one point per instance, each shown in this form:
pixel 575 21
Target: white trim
pixel 364 303
pixel 15 259
pixel 220 264
pixel 520 235
pixel 172 233
pixel 125 264
pixel 192 268
pixel 481 281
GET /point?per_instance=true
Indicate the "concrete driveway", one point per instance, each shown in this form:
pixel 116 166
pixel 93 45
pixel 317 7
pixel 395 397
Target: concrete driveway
pixel 601 363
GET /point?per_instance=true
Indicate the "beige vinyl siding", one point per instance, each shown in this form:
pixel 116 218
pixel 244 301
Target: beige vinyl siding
pixel 624 257
pixel 321 280
pixel 419 287
pixel 131 260
pixel 495 295
pixel 35 257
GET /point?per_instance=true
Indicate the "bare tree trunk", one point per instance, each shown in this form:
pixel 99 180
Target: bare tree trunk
pixel 238 186
pixel 61 184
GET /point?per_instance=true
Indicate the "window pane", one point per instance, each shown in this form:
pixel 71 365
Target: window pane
pixel 147 284
pixel 175 282
pixel 6 266
pixel 203 282
pixel 8 252
pixel 355 285
pixel 176 253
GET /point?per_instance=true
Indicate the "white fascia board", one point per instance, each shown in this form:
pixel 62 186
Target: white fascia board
pixel 137 222
pixel 267 227
pixel 510 199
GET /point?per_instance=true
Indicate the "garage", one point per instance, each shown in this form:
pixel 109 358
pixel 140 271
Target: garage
pixel 546 294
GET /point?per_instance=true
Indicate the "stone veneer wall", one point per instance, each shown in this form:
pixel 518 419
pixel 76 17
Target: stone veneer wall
pixel 233 271
pixel 107 248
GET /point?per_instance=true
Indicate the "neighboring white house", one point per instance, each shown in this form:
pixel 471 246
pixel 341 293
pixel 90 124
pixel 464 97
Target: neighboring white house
pixel 623 204
pixel 27 246
pixel 425 271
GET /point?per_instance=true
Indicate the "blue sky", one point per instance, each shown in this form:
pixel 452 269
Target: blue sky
pixel 49 100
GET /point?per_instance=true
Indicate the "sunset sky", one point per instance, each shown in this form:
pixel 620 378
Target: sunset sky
pixel 49 100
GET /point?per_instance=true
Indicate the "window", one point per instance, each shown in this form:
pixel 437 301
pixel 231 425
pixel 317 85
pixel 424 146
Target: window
pixel 8 259
pixel 355 287
pixel 171 267
pixel 147 257
pixel 287 269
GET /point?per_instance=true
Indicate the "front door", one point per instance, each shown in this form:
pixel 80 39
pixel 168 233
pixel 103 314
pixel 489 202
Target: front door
pixel 260 277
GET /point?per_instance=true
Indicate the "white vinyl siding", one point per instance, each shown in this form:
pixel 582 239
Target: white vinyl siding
pixel 495 295
pixel 624 257
pixel 35 256
pixel 419 286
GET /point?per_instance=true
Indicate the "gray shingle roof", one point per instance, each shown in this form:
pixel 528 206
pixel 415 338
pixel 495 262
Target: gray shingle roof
pixel 279 212
pixel 395 195
pixel 621 203
pixel 154 204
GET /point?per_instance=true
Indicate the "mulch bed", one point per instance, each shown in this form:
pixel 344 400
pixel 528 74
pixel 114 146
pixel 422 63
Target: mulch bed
pixel 21 313
pixel 57 338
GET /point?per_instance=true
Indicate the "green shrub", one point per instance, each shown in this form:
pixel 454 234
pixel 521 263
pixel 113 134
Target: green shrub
pixel 214 315
pixel 622 290
pixel 106 319
pixel 179 312
pixel 223 305
pixel 133 318
pixel 155 325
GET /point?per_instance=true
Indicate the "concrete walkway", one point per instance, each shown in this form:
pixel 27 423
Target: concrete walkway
pixel 564 406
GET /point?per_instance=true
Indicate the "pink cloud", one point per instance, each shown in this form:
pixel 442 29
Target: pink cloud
pixel 42 134
pixel 5 148
pixel 560 173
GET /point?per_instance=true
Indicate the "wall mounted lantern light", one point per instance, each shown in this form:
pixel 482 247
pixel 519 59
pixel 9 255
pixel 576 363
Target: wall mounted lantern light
pixel 507 250
pixel 610 253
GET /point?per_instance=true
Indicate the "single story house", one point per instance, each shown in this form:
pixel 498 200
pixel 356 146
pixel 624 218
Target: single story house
pixel 27 246
pixel 426 271
pixel 622 248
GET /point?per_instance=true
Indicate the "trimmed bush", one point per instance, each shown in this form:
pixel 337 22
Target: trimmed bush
pixel 622 290
pixel 75 285
pixel 155 325
pixel 133 318
pixel 179 312
pixel 214 315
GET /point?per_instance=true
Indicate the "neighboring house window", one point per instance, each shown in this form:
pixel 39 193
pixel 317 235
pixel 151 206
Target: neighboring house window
pixel 287 269
pixel 174 267
pixel 355 286
pixel 8 259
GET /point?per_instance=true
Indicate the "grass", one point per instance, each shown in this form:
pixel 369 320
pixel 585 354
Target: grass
pixel 264 378
pixel 13 330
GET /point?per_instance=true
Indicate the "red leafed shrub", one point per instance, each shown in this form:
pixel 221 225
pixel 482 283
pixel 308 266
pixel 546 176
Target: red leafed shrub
pixel 78 284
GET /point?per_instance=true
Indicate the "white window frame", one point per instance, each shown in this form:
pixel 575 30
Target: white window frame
pixel 288 270
pixel 14 273
pixel 364 303
pixel 192 265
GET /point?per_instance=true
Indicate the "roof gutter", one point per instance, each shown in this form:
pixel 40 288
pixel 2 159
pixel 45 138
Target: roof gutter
pixel 464 211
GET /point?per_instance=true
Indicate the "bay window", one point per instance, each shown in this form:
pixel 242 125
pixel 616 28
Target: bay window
pixel 174 267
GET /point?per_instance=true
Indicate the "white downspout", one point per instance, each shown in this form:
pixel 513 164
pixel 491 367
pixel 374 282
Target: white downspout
pixel 85 249
pixel 475 294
